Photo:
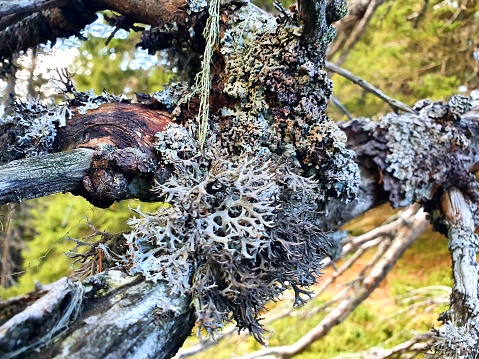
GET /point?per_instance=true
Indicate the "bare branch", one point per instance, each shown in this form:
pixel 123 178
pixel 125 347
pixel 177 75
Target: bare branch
pixel 395 104
pixel 351 28
pixel 460 333
pixel 343 109
pixel 41 176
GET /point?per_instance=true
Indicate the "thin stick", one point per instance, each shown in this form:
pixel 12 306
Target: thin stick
pixel 341 107
pixel 395 104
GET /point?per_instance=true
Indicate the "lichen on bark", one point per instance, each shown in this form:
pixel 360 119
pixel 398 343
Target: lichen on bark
pixel 242 225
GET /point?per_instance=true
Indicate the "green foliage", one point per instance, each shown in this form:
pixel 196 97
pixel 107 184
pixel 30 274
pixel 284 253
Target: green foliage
pixel 410 58
pixel 53 220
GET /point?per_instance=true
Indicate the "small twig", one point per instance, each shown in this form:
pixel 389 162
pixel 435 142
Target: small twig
pixel 421 14
pixel 415 346
pixel 395 104
pixel 343 109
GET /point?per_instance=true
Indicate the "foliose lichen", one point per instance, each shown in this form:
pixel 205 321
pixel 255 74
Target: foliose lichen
pixel 419 164
pixel 32 126
pixel 281 95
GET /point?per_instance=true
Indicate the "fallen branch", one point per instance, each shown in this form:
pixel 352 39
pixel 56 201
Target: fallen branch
pixel 362 289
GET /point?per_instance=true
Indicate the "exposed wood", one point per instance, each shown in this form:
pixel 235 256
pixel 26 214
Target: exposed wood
pixel 38 177
pixel 117 316
pixel 120 125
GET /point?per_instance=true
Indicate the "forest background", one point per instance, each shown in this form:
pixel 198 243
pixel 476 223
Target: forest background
pixel 410 50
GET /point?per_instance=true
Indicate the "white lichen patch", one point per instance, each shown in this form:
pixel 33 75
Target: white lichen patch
pixel 89 101
pixel 35 126
pixel 453 342
pixel 195 6
pixel 419 148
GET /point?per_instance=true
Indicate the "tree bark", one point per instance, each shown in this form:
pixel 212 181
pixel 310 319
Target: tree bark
pixel 267 97
pixel 110 315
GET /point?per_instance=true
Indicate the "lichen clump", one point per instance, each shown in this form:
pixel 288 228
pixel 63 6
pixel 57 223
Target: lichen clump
pixel 242 221
pixel 422 164
pixel 32 127
pixel 233 225
pixel 452 342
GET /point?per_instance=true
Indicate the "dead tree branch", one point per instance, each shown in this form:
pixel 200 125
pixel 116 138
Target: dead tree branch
pixel 352 27
pixel 37 177
pixel 395 104
pixel 137 319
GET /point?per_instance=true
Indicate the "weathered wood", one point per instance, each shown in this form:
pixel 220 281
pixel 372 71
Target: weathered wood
pixel 461 332
pixel 40 176
pixel 110 315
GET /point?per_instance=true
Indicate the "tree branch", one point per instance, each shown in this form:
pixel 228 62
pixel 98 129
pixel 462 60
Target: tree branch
pixel 61 18
pixel 137 319
pixel 460 333
pixel 395 104
pixel 41 176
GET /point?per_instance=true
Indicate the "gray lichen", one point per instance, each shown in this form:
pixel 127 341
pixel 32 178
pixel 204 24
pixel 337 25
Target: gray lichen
pixel 32 126
pixel 453 342
pixel 419 159
pixel 241 224
pixel 281 95
pixel 240 230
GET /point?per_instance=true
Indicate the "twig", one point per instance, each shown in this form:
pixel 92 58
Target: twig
pixel 406 234
pixel 343 109
pixel 395 104
pixel 416 345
